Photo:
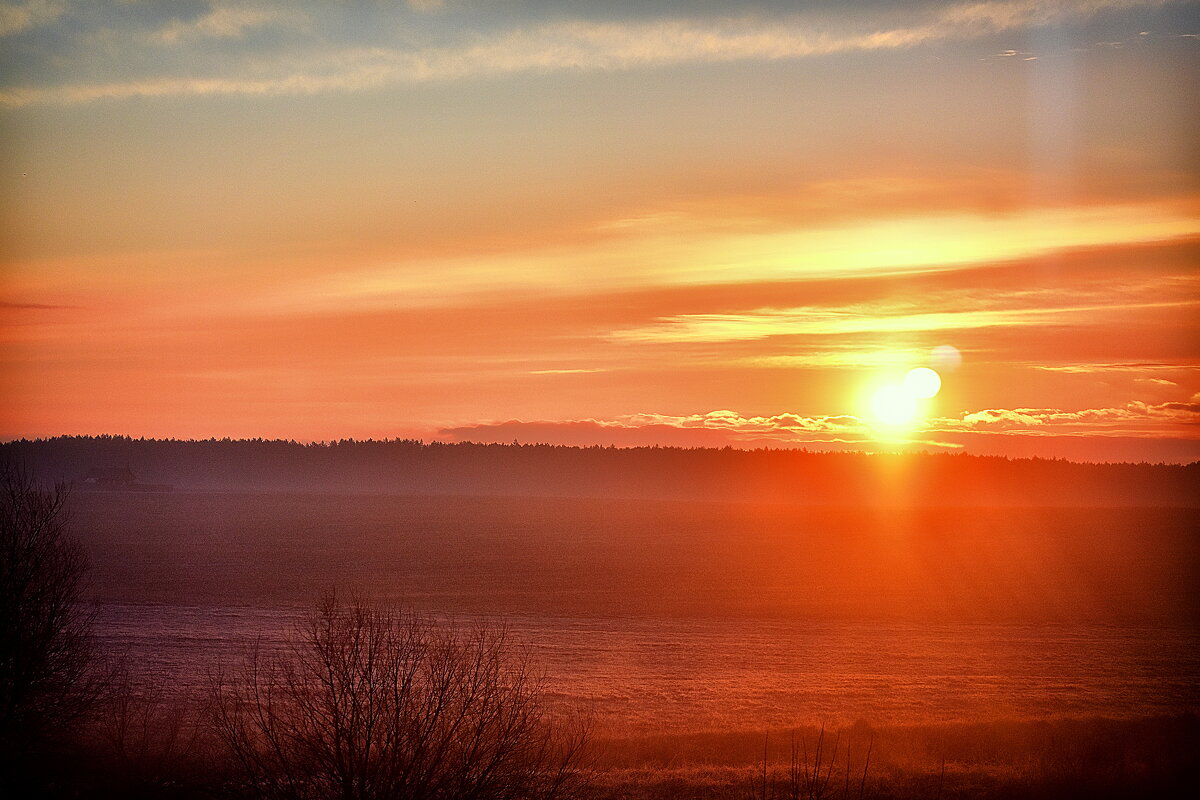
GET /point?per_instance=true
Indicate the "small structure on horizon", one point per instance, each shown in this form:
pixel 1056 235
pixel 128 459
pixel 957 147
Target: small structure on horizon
pixel 117 479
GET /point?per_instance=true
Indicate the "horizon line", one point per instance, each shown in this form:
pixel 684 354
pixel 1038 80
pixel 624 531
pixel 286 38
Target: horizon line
pixel 516 444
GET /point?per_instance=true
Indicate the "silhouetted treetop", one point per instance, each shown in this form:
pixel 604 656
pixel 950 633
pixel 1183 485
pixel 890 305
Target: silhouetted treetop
pixel 408 466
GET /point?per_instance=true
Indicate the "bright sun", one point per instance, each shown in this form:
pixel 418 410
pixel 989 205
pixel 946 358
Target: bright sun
pixel 897 404
pixel 892 405
pixel 922 382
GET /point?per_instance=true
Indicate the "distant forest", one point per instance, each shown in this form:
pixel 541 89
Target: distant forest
pixel 402 466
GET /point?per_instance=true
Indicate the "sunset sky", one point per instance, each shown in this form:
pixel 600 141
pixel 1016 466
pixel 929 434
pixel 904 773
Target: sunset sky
pixel 681 223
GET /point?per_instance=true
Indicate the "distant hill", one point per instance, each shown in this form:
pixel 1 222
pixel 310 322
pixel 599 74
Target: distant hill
pixel 729 475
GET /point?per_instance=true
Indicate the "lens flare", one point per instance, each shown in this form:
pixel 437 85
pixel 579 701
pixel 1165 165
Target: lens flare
pixel 946 358
pixel 922 382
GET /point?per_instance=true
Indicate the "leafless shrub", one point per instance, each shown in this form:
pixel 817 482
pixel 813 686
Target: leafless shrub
pixel 146 740
pixel 48 679
pixel 367 702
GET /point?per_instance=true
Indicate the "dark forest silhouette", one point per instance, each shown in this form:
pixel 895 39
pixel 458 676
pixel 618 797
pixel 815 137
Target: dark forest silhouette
pixel 405 466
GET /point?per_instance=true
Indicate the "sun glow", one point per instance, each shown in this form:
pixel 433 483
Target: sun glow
pixel 922 382
pixel 894 406
pixel 898 405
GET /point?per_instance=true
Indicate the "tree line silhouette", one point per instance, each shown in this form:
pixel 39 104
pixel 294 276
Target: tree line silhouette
pixel 408 466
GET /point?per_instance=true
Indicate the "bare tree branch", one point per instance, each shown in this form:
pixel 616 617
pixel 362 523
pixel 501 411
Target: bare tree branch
pixel 367 702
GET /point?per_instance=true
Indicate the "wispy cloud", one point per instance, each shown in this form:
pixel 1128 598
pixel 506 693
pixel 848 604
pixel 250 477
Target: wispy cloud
pixel 1136 420
pixel 579 371
pixel 831 354
pixel 994 310
pixel 1133 419
pixel 11 306
pixel 785 424
pixel 225 22
pixel 647 257
pixel 21 17
pixel 560 45
pixel 1123 366
pixel 714 429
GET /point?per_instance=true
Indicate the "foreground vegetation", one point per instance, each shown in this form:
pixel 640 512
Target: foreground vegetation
pixel 158 749
pixel 364 702
pixel 1065 758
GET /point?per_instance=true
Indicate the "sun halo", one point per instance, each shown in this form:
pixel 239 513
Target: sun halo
pixel 893 406
pixel 898 404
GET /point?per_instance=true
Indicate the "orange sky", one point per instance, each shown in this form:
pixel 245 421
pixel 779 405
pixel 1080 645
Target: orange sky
pixel 696 223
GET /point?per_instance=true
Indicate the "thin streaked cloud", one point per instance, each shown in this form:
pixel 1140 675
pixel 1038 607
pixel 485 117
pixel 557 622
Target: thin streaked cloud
pixel 1136 419
pixel 1127 366
pixel 1133 420
pixel 842 357
pixel 227 23
pixel 885 318
pixel 647 255
pixel 580 45
pixel 579 371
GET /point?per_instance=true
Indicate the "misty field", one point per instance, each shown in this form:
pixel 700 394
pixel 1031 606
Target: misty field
pixel 649 559
pixel 974 650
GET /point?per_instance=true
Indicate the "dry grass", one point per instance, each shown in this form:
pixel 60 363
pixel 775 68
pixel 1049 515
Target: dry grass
pixel 1151 757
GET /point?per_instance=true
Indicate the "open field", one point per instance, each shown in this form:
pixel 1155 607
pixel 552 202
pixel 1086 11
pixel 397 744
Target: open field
pixel 969 637
pixel 649 559
pixel 947 614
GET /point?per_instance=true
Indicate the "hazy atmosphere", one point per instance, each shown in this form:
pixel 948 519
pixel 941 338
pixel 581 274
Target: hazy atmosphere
pixel 599 399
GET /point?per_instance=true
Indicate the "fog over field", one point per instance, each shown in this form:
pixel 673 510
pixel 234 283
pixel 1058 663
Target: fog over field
pixel 687 630
pixel 676 615
pixel 691 628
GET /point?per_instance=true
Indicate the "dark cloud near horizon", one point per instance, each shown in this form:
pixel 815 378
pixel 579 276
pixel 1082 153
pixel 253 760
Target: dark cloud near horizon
pixel 34 306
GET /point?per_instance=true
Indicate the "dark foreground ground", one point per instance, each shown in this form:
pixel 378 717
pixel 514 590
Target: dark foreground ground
pixel 162 756
pixel 1101 758
pixel 640 599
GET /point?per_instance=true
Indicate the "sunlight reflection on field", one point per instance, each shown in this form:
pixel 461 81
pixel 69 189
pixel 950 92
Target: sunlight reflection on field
pixel 684 617
pixel 656 674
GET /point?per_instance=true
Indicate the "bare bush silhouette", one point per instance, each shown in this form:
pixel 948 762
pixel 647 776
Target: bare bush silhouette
pixel 146 741
pixel 47 657
pixel 368 702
